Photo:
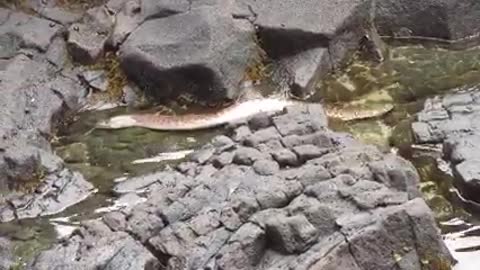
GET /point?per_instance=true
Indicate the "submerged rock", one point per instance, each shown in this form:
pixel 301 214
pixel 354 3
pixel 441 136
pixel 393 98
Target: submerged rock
pixel 339 203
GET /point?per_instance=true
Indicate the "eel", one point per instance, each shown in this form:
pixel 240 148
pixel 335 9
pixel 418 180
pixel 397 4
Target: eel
pixel 233 113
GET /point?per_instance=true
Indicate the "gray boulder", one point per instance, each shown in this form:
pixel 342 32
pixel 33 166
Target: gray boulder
pixel 203 52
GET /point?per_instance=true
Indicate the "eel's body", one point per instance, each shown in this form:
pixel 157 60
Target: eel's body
pixel 234 113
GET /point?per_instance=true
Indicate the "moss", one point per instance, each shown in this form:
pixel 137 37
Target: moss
pixel 434 262
pixel 257 67
pixel 117 79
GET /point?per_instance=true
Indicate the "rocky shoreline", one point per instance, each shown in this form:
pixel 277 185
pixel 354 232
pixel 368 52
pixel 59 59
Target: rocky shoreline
pixel 305 197
pixel 280 192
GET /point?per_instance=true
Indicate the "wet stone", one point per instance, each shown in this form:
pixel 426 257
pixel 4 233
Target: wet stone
pixel 222 143
pixel 241 133
pixel 223 159
pixel 262 136
pixel 260 121
pixel 203 155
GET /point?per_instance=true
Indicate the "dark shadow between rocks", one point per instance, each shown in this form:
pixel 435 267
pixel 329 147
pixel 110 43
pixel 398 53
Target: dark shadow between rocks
pixel 279 43
pixel 166 84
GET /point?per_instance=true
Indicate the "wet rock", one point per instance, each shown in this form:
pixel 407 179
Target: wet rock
pixel 297 122
pixel 203 155
pixel 96 79
pixel 62 190
pixel 260 121
pixel 210 65
pixel 241 132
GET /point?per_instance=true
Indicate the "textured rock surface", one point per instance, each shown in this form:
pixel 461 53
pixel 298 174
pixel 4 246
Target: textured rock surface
pixel 35 96
pixel 450 20
pixel 453 121
pixel 348 205
pixel 203 51
pixel 115 250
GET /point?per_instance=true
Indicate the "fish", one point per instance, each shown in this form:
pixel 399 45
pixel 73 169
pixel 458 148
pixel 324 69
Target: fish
pixel 349 112
pixel 234 113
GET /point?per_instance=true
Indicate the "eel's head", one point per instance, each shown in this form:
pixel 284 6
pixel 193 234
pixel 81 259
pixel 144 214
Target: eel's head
pixel 122 121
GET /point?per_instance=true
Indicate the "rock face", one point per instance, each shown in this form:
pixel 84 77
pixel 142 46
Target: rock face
pixel 449 20
pixel 452 121
pixel 340 205
pixel 35 97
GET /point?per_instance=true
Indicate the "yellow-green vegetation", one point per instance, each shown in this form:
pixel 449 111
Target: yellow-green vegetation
pixel 434 262
pixel 257 68
pixel 115 75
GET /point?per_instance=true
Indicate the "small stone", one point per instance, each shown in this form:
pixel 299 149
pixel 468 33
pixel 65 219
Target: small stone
pixel 260 121
pixel 240 133
pixel 308 151
pixel 285 157
pixel 246 156
pixel 222 160
pixel 266 167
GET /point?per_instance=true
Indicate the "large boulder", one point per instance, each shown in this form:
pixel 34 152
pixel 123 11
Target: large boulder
pixel 204 52
pixel 348 206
